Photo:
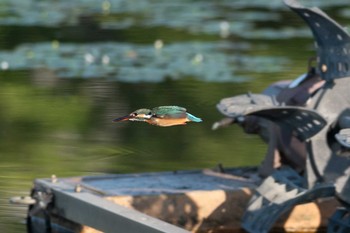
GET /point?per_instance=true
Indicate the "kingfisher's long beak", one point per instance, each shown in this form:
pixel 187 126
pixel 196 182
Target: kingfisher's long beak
pixel 124 118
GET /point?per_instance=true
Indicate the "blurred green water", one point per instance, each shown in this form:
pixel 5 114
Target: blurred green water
pixel 68 70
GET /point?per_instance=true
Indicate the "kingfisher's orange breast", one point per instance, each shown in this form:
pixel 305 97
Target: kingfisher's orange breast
pixel 167 121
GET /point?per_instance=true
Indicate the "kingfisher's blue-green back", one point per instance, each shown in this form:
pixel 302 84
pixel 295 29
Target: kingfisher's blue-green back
pixel 174 112
pixel 161 116
pixel 169 111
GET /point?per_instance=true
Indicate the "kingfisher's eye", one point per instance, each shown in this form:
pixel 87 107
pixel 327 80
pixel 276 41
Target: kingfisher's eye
pixel 150 113
pixel 134 114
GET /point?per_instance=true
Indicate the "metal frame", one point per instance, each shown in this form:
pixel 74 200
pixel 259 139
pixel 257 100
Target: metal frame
pixel 92 210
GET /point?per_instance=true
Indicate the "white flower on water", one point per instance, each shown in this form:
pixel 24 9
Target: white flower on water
pixel 224 29
pixel 5 65
pixel 105 59
pixel 89 58
pixel 197 59
pixel 158 44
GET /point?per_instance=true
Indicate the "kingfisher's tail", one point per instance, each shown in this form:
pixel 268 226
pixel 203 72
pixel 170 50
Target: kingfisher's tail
pixel 193 118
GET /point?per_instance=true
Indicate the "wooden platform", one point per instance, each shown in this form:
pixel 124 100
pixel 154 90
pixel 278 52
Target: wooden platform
pixel 172 202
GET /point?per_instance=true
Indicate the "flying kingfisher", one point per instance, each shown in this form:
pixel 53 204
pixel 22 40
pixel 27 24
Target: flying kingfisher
pixel 161 116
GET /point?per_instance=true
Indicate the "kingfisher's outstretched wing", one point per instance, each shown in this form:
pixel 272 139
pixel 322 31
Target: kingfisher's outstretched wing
pixel 169 112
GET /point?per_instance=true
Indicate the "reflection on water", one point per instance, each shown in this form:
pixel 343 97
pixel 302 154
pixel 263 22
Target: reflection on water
pixel 63 127
pixel 72 67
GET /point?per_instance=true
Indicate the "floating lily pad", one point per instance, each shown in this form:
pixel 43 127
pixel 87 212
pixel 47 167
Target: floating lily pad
pixel 224 18
pixel 142 63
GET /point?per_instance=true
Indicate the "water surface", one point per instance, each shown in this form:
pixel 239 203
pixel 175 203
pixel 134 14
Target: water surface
pixel 69 67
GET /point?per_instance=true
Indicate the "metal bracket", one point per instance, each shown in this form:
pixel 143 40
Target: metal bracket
pixel 303 122
pixel 343 138
pixel 43 198
pixel 42 201
pixel 86 208
pixel 332 41
pixel 242 104
pixel 276 195
pixel 339 222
